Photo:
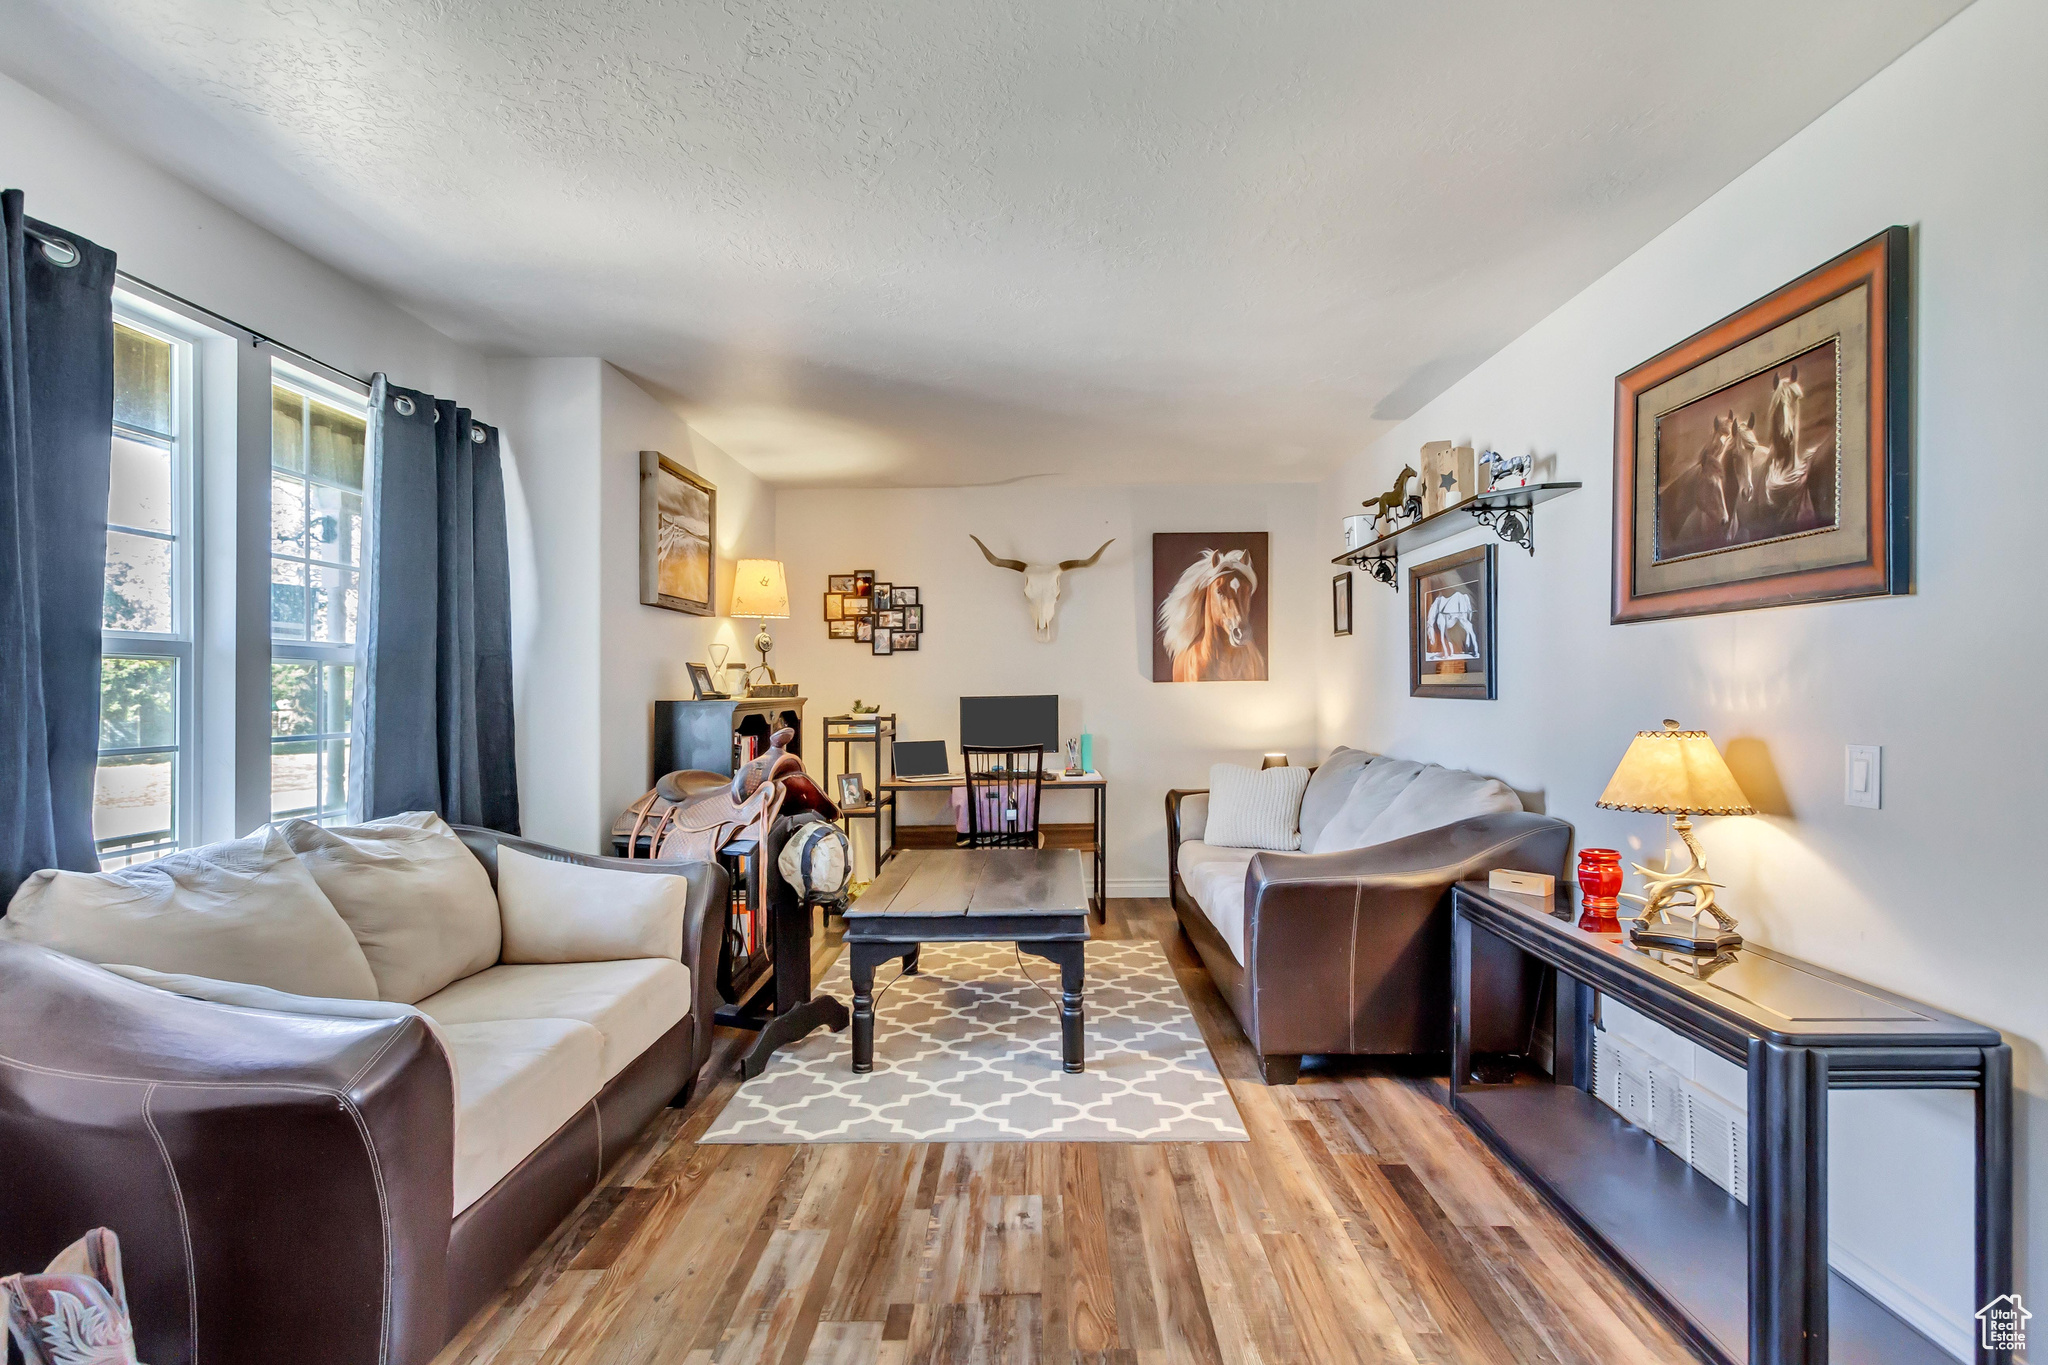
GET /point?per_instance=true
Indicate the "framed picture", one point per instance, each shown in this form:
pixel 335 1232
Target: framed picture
pixel 881 596
pixel 864 628
pixel 1340 604
pixel 835 609
pixel 864 583
pixel 1209 607
pixel 900 596
pixel 701 682
pixel 903 641
pixel 1450 626
pixel 852 794
pixel 1765 460
pixel 882 641
pixel 839 583
pixel 678 526
pixel 889 620
pixel 913 617
pixel 857 606
pixel 841 629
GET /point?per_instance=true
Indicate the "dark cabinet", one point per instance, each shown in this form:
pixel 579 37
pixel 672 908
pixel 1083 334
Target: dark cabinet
pixel 710 735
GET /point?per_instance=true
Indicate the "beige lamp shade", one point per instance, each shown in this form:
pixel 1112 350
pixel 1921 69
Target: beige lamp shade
pixel 1675 772
pixel 759 589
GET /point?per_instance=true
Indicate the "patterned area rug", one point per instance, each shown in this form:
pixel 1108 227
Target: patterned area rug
pixel 968 1050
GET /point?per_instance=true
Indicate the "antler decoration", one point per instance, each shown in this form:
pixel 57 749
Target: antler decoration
pixel 1017 564
pixel 1066 564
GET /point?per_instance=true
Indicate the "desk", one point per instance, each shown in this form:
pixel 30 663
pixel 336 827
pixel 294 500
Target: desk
pixel 1740 1282
pixel 1036 898
pixel 1091 838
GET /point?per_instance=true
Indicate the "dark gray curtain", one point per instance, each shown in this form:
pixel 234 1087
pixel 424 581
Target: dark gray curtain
pixel 434 686
pixel 56 425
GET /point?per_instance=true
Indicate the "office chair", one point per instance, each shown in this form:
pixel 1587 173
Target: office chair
pixel 1002 795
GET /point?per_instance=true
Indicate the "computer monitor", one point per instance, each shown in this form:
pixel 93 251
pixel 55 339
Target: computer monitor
pixel 919 757
pixel 1009 722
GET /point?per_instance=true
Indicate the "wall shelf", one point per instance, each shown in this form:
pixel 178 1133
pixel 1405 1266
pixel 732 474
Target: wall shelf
pixel 1508 512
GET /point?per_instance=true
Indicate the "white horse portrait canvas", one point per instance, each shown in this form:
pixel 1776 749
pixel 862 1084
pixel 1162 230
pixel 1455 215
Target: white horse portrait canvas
pixel 1209 607
pixel 1450 632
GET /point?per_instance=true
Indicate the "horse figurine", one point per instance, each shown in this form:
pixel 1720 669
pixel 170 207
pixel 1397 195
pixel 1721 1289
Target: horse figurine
pixel 1205 622
pixel 1501 468
pixel 1395 501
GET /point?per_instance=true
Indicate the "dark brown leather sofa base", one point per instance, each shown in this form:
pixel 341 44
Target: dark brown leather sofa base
pixel 1350 953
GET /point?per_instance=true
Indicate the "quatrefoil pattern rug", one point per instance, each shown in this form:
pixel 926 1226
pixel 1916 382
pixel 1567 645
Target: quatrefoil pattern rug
pixel 968 1050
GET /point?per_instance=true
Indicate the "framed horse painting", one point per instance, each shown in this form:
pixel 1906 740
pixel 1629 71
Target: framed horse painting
pixel 1209 606
pixel 1451 627
pixel 1765 460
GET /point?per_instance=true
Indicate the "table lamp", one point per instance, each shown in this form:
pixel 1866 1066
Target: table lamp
pixel 760 590
pixel 1679 773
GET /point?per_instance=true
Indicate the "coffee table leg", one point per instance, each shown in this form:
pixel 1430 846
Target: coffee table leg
pixel 1072 965
pixel 910 960
pixel 863 973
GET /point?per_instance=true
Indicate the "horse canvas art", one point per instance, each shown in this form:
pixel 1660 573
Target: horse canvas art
pixel 1209 607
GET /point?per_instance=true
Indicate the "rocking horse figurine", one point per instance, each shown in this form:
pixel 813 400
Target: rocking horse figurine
pixel 76 1311
pixel 1396 501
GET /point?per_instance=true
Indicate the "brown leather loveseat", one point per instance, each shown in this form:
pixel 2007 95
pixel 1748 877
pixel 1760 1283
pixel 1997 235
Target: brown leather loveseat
pixel 285 1184
pixel 1346 948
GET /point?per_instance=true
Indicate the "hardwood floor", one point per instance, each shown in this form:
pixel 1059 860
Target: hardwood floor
pixel 1362 1223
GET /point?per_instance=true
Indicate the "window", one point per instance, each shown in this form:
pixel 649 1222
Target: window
pixel 142 789
pixel 317 439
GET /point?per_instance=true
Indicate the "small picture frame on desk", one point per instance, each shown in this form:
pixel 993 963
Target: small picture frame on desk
pixel 701 682
pixel 852 795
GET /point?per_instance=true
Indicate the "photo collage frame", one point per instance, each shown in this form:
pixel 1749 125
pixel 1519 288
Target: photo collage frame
pixel 886 617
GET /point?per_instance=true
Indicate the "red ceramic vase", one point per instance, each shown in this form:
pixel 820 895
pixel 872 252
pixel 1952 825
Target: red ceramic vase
pixel 1599 890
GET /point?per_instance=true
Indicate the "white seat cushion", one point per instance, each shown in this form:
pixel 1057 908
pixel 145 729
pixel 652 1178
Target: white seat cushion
pixel 415 897
pixel 245 910
pixel 1439 797
pixel 1214 878
pixel 520 1080
pixel 556 911
pixel 631 1003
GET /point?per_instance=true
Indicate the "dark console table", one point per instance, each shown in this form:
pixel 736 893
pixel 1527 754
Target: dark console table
pixel 1741 1283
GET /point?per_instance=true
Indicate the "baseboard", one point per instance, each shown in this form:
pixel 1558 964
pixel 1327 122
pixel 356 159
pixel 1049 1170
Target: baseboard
pixel 1951 1334
pixel 1137 888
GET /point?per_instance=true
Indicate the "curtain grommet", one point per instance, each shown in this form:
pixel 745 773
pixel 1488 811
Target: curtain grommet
pixel 403 405
pixel 56 250
pixel 477 436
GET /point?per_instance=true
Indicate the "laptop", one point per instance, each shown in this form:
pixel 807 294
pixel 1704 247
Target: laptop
pixel 921 759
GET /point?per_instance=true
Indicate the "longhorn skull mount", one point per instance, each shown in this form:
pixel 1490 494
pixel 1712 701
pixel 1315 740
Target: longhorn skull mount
pixel 1042 583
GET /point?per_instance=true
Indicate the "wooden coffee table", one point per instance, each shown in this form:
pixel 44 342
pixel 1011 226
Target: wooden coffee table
pixel 1036 898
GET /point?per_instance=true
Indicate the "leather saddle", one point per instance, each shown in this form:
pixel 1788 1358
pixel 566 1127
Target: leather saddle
pixel 691 815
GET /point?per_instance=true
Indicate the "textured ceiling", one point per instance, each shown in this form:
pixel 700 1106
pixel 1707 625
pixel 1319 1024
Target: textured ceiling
pixel 958 241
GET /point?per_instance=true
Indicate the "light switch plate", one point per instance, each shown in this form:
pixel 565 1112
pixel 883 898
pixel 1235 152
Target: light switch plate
pixel 1862 775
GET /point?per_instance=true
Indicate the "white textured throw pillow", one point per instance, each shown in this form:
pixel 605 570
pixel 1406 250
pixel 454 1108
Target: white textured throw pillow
pixel 416 898
pixel 565 912
pixel 1255 808
pixel 245 910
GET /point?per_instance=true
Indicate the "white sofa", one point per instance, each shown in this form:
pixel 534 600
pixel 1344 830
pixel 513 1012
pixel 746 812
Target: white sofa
pixel 556 1001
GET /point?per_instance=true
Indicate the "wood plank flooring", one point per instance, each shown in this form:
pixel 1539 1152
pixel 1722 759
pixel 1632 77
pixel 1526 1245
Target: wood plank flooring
pixel 1362 1223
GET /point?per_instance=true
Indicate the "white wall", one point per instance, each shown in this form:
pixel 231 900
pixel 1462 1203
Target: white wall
pixel 1148 736
pixel 1935 894
pixel 176 238
pixel 589 659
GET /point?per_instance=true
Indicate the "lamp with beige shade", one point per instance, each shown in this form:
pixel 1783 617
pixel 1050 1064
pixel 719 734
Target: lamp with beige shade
pixel 1680 773
pixel 760 590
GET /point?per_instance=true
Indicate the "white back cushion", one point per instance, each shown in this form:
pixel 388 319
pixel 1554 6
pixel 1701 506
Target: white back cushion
pixel 1328 790
pixel 417 900
pixel 562 912
pixel 245 910
pixel 1255 808
pixel 1372 792
pixel 1438 797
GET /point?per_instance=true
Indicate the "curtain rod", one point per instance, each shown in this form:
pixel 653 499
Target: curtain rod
pixel 256 338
